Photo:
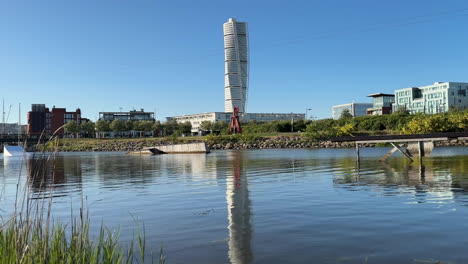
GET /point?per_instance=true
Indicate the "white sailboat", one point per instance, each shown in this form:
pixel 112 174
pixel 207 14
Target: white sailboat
pixel 15 151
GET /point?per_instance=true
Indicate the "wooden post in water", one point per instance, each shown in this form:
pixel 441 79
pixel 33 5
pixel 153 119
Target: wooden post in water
pixel 421 151
pixel 358 159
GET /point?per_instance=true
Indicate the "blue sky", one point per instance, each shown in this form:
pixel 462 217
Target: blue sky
pixel 167 56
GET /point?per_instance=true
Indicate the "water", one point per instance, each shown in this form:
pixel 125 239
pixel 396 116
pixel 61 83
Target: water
pixel 266 206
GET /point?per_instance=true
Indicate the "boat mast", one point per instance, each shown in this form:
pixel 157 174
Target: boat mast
pixel 3 117
pixel 19 123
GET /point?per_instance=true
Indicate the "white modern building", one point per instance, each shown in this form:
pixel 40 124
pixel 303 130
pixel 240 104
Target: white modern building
pixel 236 65
pixel 355 109
pixel 431 99
pixel 197 119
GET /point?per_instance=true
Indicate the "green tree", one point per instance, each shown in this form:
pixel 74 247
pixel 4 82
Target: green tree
pixel 138 126
pixel 207 126
pixel 157 128
pixel 72 127
pixel 147 126
pixel 220 126
pixel 171 127
pixel 103 126
pixel 346 114
pixel 185 128
pixel 129 125
pixel 117 126
pixel 88 128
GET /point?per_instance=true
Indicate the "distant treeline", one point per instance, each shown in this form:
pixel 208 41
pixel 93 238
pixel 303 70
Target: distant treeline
pixel 123 128
pixel 324 129
pixel 258 127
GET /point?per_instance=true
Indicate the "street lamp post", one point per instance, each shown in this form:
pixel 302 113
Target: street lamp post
pixel 292 123
pixel 307 109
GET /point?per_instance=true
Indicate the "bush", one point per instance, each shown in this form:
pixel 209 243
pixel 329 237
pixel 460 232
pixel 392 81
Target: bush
pixel 326 129
pixel 245 138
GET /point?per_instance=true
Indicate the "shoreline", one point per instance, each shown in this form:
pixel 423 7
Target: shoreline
pixel 298 142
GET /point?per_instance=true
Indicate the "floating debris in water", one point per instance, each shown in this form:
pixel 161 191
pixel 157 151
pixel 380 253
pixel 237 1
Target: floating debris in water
pixel 207 212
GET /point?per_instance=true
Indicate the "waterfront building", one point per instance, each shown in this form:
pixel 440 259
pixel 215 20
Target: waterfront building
pixel 197 119
pixel 355 109
pixel 11 129
pixel 133 115
pixel 38 120
pixel 381 104
pixel 236 63
pixel 431 99
pixel 41 120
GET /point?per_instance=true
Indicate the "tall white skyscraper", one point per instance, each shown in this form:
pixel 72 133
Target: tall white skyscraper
pixel 236 57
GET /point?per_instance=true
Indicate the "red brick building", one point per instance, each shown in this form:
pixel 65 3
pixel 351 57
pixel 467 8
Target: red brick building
pixel 42 120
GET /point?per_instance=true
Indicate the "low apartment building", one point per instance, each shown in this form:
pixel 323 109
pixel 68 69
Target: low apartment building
pixel 197 119
pixel 133 115
pixel 42 120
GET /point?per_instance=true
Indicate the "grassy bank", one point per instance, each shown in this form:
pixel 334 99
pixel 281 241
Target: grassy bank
pixel 127 144
pixel 109 144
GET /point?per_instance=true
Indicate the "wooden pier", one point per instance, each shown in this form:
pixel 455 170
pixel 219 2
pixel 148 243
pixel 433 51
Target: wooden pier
pixel 420 145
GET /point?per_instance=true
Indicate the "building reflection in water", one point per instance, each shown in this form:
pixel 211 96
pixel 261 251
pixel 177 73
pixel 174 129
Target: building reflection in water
pixel 143 170
pixel 445 178
pixel 54 173
pixel 239 213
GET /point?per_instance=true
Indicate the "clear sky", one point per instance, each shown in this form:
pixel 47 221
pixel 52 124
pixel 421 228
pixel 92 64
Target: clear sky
pixel 168 55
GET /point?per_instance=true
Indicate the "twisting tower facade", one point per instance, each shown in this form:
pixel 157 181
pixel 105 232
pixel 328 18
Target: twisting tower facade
pixel 236 58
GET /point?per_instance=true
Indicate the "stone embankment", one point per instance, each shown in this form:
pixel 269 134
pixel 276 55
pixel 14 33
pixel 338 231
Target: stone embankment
pixel 127 145
pixel 451 143
pixel 299 142
pixel 279 142
pixel 263 143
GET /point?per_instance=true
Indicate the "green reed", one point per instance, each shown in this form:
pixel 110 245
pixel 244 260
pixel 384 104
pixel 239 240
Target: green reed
pixel 30 235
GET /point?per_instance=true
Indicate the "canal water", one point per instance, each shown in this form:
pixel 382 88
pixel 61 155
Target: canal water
pixel 264 206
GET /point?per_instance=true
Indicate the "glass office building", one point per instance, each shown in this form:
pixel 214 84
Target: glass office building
pixel 355 109
pixel 431 99
pixel 381 104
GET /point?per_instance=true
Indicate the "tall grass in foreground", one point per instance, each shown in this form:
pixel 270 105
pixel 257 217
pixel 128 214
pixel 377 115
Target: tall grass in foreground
pixel 30 236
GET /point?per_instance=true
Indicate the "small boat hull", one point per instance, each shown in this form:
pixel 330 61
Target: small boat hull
pixel 145 151
pixel 13 151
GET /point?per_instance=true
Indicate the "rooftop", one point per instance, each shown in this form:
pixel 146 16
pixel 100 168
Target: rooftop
pixel 380 94
pixel 352 104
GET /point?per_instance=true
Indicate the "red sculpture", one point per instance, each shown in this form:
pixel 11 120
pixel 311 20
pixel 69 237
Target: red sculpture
pixel 235 126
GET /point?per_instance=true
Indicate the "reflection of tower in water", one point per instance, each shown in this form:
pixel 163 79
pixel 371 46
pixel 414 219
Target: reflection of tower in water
pixel 239 212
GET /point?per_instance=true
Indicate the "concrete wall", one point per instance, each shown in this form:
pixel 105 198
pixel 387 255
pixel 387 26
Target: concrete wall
pixel 413 148
pixel 185 148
